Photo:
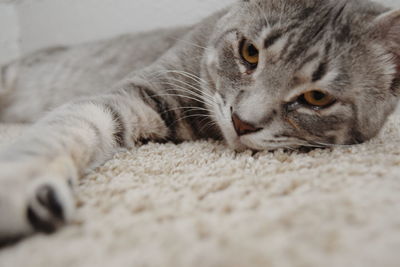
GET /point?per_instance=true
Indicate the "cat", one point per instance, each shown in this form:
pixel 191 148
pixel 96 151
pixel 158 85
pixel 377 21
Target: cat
pixel 260 74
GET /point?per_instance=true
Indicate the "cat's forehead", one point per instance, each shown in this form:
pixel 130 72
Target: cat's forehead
pixel 306 13
pixel 303 24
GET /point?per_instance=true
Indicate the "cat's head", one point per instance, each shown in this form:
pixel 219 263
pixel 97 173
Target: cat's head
pixel 285 73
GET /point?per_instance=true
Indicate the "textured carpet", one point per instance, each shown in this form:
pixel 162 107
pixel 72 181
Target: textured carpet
pixel 200 204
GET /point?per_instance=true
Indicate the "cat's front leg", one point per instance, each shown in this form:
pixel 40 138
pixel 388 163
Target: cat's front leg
pixel 38 171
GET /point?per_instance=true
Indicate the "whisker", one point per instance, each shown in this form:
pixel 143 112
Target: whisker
pixel 191 116
pixel 202 93
pixel 184 96
pixel 208 126
pixel 294 142
pixel 185 74
pixel 190 75
pixel 186 109
pixel 311 145
pixel 194 95
pixel 176 87
pixel 190 43
pixel 198 90
pixel 193 77
pixel 331 145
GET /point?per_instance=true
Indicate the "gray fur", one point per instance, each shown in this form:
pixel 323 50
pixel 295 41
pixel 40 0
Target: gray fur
pixel 184 84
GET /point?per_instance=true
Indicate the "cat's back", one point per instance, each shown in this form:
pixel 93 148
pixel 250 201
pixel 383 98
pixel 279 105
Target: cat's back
pixel 58 74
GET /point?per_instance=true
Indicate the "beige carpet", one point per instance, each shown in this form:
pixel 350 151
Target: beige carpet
pixel 200 204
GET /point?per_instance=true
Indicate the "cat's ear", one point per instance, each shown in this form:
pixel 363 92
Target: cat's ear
pixel 386 28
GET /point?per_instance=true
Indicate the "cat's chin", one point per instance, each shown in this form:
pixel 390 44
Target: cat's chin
pixel 240 146
pixel 236 145
pixel 236 142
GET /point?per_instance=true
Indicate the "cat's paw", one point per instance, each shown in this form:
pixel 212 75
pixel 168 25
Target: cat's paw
pixel 34 199
pixel 50 206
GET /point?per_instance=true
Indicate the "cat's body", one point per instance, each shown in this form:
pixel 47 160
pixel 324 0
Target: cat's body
pixel 57 75
pixel 262 74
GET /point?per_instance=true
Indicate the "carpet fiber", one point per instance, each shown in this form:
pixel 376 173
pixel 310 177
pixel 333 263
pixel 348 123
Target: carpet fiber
pixel 200 204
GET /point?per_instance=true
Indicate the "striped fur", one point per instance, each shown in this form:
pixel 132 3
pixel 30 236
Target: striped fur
pixel 89 101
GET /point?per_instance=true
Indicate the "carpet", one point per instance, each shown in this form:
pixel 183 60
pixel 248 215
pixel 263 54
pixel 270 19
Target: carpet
pixel 201 204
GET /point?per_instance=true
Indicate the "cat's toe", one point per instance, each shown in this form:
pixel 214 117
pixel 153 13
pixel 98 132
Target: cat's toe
pixel 48 198
pixel 51 207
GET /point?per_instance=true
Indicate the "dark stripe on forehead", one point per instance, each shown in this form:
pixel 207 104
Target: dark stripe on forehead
pixel 309 58
pixel 277 34
pixel 339 14
pixel 272 38
pixel 320 72
pixel 343 34
pixel 320 28
pixel 328 48
pixel 311 34
pixel 306 12
pixel 287 46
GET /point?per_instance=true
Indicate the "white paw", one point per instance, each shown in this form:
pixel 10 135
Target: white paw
pixel 34 198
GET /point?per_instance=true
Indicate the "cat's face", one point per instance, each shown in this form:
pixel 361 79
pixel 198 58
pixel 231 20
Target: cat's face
pixel 286 73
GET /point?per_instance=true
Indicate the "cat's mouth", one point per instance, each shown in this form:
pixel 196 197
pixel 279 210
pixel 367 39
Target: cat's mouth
pixel 243 137
pixel 224 122
pixel 239 135
pixel 233 136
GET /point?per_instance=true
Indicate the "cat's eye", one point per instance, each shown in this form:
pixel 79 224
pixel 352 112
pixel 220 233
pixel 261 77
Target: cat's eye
pixel 317 99
pixel 249 53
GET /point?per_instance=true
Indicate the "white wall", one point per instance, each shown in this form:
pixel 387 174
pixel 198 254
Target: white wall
pixel 26 25
pixel 9 33
pixel 52 22
pixel 393 3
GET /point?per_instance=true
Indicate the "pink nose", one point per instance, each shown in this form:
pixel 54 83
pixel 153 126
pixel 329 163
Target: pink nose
pixel 242 127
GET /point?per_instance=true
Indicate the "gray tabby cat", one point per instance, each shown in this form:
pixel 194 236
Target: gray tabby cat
pixel 261 74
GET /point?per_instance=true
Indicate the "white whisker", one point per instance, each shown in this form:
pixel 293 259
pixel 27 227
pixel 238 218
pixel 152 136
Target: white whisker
pixel 186 109
pixel 185 74
pixel 187 97
pixel 195 88
pixel 199 98
pixel 190 43
pixel 191 116
pixel 208 126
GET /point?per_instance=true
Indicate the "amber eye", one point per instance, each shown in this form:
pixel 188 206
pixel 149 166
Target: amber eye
pixel 317 98
pixel 249 53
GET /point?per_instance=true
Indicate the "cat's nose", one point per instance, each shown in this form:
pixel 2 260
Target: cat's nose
pixel 242 127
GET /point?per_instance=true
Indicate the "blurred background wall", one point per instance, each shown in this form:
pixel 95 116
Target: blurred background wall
pixel 9 32
pixel 27 25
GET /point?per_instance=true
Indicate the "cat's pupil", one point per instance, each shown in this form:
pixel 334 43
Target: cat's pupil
pixel 253 52
pixel 318 95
